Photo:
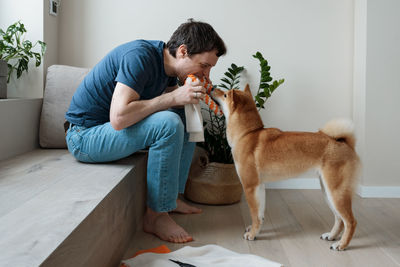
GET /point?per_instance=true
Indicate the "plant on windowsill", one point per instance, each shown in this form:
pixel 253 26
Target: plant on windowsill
pixel 15 54
pixel 217 181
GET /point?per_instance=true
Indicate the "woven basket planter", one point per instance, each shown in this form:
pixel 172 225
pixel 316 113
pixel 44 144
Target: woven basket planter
pixel 214 184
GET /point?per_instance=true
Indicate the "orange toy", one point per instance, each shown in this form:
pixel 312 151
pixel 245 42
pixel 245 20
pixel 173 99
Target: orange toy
pixel 161 249
pixel 208 100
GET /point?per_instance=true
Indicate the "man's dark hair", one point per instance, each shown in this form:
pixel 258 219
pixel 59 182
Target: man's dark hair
pixel 198 37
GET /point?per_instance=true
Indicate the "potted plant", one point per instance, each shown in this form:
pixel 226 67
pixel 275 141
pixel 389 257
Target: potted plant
pixel 216 182
pixel 15 54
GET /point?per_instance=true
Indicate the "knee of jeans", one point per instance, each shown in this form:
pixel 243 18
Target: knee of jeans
pixel 172 124
pixel 74 147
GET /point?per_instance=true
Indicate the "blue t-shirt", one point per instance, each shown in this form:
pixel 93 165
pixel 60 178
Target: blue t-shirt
pixel 138 64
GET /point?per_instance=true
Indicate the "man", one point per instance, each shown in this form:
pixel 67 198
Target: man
pixel 128 102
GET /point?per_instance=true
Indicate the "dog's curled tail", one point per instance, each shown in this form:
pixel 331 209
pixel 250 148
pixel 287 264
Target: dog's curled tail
pixel 342 130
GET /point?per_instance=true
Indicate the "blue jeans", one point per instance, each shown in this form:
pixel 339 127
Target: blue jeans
pixel 170 153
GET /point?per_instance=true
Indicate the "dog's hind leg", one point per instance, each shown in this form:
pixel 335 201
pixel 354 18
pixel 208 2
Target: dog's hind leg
pixel 336 230
pixel 255 197
pixel 340 198
pixel 343 203
pixel 338 225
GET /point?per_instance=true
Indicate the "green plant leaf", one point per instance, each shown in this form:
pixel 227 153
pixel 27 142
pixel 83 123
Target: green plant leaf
pixel 43 47
pixel 265 73
pixel 225 80
pixel 14 47
pixel 259 100
pixel 27 45
pixel 267 93
pixel 264 64
pixel 38 59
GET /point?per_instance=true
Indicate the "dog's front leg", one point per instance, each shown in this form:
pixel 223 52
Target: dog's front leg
pixel 255 197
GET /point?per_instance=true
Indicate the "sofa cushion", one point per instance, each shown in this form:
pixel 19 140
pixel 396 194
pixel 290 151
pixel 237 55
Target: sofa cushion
pixel 61 83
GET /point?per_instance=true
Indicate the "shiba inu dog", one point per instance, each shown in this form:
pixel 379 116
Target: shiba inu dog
pixel 269 154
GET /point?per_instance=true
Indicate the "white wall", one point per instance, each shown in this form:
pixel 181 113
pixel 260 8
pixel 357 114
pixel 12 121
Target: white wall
pixel 339 57
pixel 359 76
pixel 30 12
pixel 376 91
pixel 19 126
pixel 50 37
pixel 309 43
pixel 19 117
pixel 382 125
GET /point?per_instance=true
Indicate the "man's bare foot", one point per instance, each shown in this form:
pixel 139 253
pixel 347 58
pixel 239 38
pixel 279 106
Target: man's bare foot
pixel 182 207
pixel 163 226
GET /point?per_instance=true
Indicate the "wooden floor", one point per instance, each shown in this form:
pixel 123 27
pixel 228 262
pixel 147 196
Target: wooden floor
pixel 294 220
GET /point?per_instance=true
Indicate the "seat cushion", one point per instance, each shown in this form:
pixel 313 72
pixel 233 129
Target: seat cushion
pixel 61 83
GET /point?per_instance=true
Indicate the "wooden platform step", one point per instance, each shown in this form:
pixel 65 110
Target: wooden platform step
pixel 55 211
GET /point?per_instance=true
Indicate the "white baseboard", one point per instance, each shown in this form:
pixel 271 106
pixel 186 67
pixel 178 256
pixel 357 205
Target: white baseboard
pixel 313 183
pixel 378 191
pixel 296 183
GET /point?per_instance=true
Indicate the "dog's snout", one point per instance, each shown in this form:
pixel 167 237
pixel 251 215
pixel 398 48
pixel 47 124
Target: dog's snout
pixel 217 93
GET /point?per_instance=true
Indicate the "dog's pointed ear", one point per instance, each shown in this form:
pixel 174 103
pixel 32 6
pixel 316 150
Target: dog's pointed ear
pixel 247 90
pixel 233 98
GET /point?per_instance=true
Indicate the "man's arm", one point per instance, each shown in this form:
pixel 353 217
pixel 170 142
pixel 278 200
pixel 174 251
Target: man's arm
pixel 126 108
pixel 170 89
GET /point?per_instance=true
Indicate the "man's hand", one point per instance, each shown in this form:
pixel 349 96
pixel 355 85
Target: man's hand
pixel 190 93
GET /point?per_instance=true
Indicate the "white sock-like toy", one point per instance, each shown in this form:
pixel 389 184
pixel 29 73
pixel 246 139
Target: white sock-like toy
pixel 194 119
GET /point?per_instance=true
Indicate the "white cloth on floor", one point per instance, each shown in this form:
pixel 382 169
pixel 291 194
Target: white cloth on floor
pixel 209 255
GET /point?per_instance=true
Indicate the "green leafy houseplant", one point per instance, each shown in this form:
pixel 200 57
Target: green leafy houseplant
pixel 216 143
pixel 17 51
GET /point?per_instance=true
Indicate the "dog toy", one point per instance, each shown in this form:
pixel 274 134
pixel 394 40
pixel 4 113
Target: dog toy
pixel 207 99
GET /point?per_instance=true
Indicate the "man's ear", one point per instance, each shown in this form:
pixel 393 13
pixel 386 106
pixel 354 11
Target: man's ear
pixel 182 51
pixel 247 90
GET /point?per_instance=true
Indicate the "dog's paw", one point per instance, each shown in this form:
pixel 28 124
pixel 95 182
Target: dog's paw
pixel 248 229
pixel 337 247
pixel 249 236
pixel 327 236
